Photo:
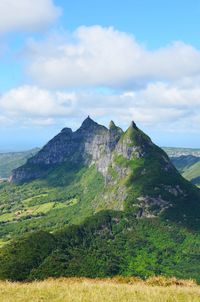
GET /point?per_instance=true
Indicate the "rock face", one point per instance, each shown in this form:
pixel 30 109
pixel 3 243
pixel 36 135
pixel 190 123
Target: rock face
pixel 138 175
pixel 90 144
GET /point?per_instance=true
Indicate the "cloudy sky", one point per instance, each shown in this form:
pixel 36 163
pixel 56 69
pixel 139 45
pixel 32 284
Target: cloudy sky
pixel 122 60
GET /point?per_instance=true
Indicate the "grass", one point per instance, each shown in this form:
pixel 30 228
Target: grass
pixel 68 197
pixel 99 290
pixel 192 172
pixel 36 210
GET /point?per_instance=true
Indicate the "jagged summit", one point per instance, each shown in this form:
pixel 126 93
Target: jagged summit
pixel 90 144
pixel 88 123
pixel 112 125
pixel 133 125
pixel 137 174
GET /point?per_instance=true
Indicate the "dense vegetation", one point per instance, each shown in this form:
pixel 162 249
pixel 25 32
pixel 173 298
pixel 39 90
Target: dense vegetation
pixel 71 193
pixel 64 197
pixel 107 244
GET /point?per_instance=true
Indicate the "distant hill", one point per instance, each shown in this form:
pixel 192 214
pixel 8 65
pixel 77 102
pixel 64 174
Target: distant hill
pixel 12 160
pixel 187 161
pixel 176 152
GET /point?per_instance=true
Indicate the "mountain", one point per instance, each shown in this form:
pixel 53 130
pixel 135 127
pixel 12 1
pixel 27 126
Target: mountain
pixel 134 213
pixel 12 160
pixel 184 162
pixel 187 162
pixel 137 175
pixel 193 173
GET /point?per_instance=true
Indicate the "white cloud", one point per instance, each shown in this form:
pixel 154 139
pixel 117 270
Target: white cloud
pixel 159 105
pixel 97 56
pixel 38 106
pixel 27 15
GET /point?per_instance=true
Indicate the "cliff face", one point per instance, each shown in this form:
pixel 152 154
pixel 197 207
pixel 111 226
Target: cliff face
pixel 90 144
pixel 138 175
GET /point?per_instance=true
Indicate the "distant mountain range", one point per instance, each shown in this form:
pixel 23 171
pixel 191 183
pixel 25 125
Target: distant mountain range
pixel 13 160
pixel 99 202
pixel 176 152
pixel 187 161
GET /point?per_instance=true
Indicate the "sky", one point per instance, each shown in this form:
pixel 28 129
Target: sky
pixel 61 61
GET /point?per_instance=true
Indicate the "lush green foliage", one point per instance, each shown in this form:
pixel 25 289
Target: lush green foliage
pixel 156 232
pixel 149 178
pixel 107 244
pixel 40 205
pixel 24 255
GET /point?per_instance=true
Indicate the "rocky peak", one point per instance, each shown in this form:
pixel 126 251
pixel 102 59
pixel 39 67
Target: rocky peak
pixel 88 124
pixel 91 144
pixel 112 126
pixel 137 137
pixel 133 125
pixel 66 130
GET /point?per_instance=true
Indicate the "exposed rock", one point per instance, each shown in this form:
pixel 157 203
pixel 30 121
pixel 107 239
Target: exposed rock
pixel 121 157
pixel 90 144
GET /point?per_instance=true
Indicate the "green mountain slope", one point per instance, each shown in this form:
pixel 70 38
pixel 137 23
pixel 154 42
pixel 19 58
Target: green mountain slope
pixel 12 160
pixel 184 162
pixel 189 167
pixel 187 162
pixel 142 216
pixel 63 198
pixel 138 177
pixel 107 244
pixel 193 173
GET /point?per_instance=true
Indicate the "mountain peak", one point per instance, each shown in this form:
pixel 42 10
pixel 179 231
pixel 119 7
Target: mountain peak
pixel 132 130
pixel 112 125
pixel 133 125
pixel 66 130
pixel 88 122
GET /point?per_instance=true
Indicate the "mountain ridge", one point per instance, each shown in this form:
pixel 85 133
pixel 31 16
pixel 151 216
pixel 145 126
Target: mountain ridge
pixel 138 175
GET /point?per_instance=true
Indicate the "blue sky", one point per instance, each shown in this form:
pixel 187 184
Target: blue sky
pixel 122 60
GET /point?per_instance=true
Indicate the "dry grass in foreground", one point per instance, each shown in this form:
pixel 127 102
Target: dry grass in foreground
pixel 101 290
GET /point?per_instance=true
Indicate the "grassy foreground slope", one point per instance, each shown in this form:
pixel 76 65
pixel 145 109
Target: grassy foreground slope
pixel 82 290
